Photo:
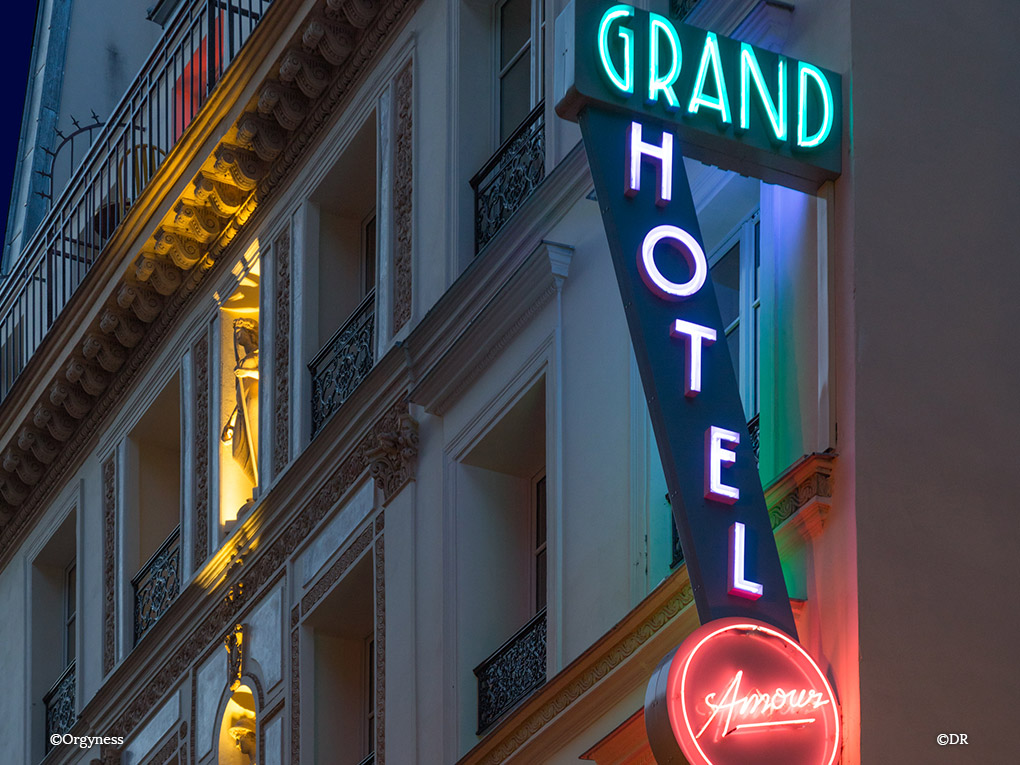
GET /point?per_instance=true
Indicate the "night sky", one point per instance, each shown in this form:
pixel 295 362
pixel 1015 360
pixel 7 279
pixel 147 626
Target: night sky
pixel 18 23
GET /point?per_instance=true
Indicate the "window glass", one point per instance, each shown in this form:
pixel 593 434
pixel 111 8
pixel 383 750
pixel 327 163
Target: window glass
pixel 514 97
pixel 515 29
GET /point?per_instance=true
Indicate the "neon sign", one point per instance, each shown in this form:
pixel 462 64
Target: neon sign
pixel 716 92
pixel 739 691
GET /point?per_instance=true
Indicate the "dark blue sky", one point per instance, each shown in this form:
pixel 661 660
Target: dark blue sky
pixel 18 24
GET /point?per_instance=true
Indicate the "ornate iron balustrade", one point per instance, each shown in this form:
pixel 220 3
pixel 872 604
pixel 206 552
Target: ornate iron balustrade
pixel 677 556
pixel 508 179
pixel 753 426
pixel 157 584
pixel 59 703
pixel 512 672
pixel 343 363
pixel 170 89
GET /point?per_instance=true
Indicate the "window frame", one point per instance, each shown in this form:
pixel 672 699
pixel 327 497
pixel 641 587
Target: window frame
pixel 747 236
pixel 70 612
pixel 538 548
pixel 536 54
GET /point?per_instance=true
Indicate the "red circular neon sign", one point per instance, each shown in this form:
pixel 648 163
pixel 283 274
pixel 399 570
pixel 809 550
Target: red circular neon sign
pixel 738 691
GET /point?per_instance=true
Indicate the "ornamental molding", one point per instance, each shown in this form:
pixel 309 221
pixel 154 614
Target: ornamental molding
pixel 281 350
pixel 114 323
pixel 403 180
pixel 203 414
pixel 109 563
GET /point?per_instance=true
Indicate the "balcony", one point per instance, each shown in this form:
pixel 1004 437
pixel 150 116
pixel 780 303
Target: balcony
pixel 157 584
pixel 507 180
pixel 343 363
pixel 200 41
pixel 59 703
pixel 510 675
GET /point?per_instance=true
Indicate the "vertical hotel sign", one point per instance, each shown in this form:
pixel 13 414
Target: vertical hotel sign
pixel 647 92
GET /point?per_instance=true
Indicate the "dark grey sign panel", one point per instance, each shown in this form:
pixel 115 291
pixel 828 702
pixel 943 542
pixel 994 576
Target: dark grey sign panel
pixel 685 420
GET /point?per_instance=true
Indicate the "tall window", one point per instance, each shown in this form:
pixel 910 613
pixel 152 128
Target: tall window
pixel 735 265
pixel 521 33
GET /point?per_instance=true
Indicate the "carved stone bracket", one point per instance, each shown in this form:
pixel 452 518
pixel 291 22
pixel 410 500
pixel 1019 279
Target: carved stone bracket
pixel 310 73
pixel 287 105
pixel 262 135
pixel 334 41
pixel 223 198
pixel 392 462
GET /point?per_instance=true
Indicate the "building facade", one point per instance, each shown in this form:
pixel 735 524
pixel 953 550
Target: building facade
pixel 322 435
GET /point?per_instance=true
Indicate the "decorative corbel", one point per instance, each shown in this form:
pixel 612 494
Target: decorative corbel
pixel 392 462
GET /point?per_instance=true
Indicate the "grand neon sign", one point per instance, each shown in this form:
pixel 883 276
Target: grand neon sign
pixel 731 103
pixel 622 75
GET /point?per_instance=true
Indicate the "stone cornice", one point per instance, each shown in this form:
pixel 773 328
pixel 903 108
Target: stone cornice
pixel 300 63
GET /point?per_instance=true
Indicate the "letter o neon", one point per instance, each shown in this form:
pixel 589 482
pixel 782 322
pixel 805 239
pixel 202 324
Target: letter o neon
pixel 693 254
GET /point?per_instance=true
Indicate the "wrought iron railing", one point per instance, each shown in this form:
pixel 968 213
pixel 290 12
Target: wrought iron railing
pixel 677 556
pixel 508 179
pixel 753 426
pixel 343 363
pixel 59 703
pixel 157 584
pixel 200 41
pixel 510 675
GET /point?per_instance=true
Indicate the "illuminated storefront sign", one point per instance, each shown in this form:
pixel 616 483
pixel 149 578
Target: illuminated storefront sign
pixel 731 104
pixel 643 91
pixel 739 691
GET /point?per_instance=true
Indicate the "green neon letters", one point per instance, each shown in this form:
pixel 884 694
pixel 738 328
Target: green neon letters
pixel 659 83
pixel 624 82
pixel 804 73
pixel 735 90
pixel 749 69
pixel 721 103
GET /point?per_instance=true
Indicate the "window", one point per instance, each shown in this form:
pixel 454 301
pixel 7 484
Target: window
pixel 340 264
pixel 53 638
pixel 153 492
pixel 735 265
pixel 521 25
pixel 342 691
pixel 502 560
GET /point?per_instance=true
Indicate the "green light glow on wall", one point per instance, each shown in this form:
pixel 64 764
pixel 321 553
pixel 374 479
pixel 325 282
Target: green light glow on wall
pixel 626 81
pixel 749 69
pixel 710 56
pixel 658 26
pixel 804 73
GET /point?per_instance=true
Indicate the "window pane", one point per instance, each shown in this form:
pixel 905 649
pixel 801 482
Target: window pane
pixel 726 277
pixel 70 643
pixel 70 589
pixel 540 581
pixel 514 29
pixel 540 513
pixel 733 341
pixel 514 97
pixel 369 256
